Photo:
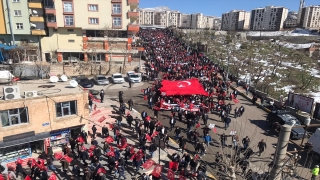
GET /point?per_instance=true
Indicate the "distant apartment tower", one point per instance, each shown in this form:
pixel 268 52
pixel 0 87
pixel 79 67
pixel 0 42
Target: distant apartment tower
pixel 185 21
pixel 197 21
pixel 217 24
pixel 235 21
pixel 168 18
pixel 310 17
pixel 270 18
pixel 146 17
pixel 301 6
pixel 174 19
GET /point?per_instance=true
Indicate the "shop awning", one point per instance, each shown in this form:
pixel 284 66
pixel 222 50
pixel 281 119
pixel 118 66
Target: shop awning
pixel 36 137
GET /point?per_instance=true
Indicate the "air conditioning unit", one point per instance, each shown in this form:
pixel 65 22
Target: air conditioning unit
pixel 30 94
pixel 11 92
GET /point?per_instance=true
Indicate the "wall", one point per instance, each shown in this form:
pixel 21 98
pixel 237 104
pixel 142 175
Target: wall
pixel 24 18
pixel 37 118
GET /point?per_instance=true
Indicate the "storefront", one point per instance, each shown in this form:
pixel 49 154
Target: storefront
pixel 21 146
pixel 61 137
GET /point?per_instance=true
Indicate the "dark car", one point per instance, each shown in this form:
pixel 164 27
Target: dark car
pixel 85 83
pixel 283 117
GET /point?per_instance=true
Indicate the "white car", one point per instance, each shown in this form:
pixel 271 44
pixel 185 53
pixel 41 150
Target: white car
pixel 117 78
pixel 133 77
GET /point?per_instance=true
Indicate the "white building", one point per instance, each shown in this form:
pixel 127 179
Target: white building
pixel 185 21
pixel 310 17
pixel 270 18
pixel 174 19
pixel 235 20
pixel 146 17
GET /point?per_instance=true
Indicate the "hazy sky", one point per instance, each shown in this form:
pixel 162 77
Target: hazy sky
pixel 217 7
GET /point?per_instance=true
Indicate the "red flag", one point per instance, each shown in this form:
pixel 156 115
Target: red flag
pixel 131 150
pixel 33 163
pixel 157 171
pixel 80 139
pixel 148 164
pixel 236 101
pixel 111 126
pixel 109 139
pixel 102 119
pixel 101 170
pixel 128 113
pixel 67 158
pixel 96 112
pixel 148 137
pixel 19 161
pixel 122 146
pixel 26 178
pixel 154 134
pixel 95 107
pixel 148 118
pixel 132 157
pixel 92 147
pixel 83 148
pixel 158 123
pixel 174 165
pixel 182 177
pixel 170 175
pixel 111 153
pixel 144 97
pixel 142 90
pixel 53 177
pixel 111 149
pixel 214 130
pixel 198 125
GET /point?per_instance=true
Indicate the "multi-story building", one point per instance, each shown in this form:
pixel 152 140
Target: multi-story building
pixel 217 24
pixel 270 18
pixel 88 30
pixel 301 6
pixel 197 21
pixel 174 19
pixel 22 23
pixel 235 21
pixel 310 17
pixel 31 122
pixel 292 20
pixel 185 21
pixel 146 17
pixel 168 18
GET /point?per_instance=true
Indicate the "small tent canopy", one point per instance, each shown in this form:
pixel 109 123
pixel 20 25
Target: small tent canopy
pixel 5 47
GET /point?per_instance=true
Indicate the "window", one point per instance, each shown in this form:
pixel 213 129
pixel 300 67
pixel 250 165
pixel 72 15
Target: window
pixel 92 7
pixel 116 9
pixel 70 30
pixel 67 7
pixel 71 40
pixel 14 116
pixel 15 0
pixel 68 20
pixel 93 20
pixel 19 25
pixel 117 21
pixel 17 12
pixel 66 108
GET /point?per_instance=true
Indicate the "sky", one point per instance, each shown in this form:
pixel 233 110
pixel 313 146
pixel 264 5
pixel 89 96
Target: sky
pixel 217 7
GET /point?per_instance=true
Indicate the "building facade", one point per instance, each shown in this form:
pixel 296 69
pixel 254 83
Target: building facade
pixel 270 18
pixel 310 17
pixel 291 21
pixel 217 23
pixel 24 129
pixel 146 17
pixel 95 30
pixel 235 21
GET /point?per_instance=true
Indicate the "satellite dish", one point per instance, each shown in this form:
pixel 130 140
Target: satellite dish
pixel 64 78
pixel 73 83
pixel 34 12
pixel 33 25
pixel 54 79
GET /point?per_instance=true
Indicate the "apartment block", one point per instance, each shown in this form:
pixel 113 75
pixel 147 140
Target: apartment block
pixel 90 30
pixel 31 123
pixel 146 17
pixel 27 24
pixel 310 17
pixel 270 18
pixel 185 21
pixel 235 21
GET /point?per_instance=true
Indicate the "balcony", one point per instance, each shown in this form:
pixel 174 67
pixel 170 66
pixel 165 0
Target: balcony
pixel 116 1
pixel 51 21
pixel 39 32
pixel 133 4
pixel 37 4
pixel 133 15
pixel 116 26
pixel 36 19
pixel 49 7
pixel 133 28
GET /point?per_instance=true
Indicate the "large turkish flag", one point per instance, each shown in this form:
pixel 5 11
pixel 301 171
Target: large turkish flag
pixel 185 87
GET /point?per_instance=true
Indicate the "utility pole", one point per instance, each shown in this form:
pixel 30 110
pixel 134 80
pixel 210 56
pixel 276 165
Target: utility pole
pixel 10 23
pixel 281 152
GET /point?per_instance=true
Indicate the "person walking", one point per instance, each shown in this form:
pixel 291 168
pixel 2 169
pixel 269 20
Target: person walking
pixel 152 149
pixel 130 103
pixel 182 143
pixel 262 146
pixel 172 122
pixel 227 122
pixel 84 136
pixel 223 139
pixel 130 83
pixel 245 142
pixel 94 131
pixel 177 132
pixel 207 139
pixel 105 131
pixel 315 172
pixel 101 95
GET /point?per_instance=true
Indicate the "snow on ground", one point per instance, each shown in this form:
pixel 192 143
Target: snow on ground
pixel 295 46
pixel 315 96
pixel 285 88
pixel 297 32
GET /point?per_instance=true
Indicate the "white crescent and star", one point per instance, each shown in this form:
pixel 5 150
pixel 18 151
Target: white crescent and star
pixel 183 84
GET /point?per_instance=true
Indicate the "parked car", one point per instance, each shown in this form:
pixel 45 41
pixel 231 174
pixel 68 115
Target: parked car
pixel 117 78
pixel 133 77
pixel 85 83
pixel 283 117
pixel 101 80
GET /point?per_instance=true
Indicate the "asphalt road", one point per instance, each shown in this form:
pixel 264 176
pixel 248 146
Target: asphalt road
pixel 251 124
